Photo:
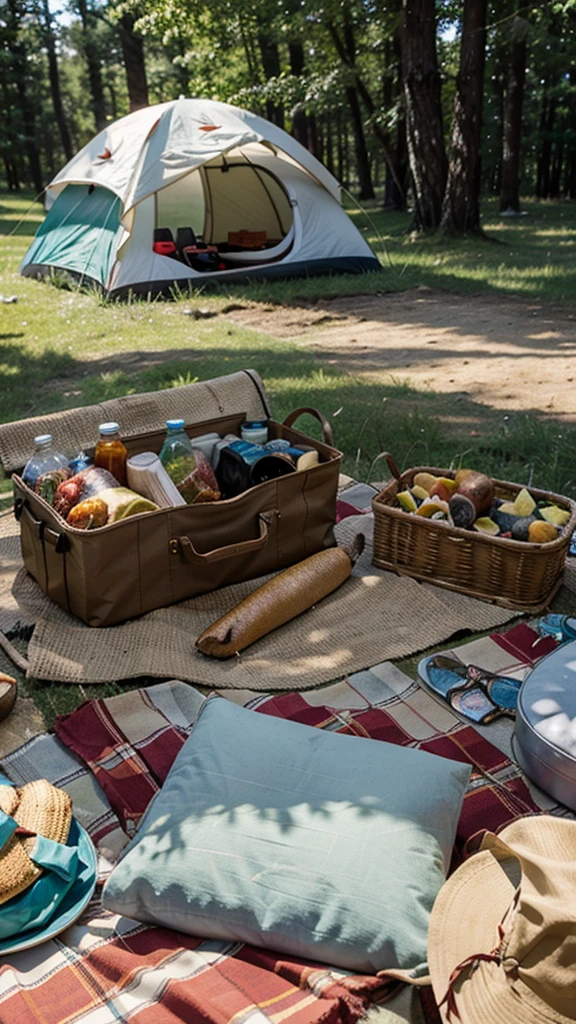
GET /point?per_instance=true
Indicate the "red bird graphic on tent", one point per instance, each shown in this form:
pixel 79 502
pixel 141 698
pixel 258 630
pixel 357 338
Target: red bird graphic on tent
pixel 209 127
pixel 105 155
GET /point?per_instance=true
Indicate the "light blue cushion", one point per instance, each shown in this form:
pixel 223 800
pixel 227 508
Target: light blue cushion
pixel 307 842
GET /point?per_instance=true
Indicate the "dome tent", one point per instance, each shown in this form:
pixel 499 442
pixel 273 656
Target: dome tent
pixel 191 190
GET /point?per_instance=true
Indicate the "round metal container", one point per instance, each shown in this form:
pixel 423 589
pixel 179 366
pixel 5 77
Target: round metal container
pixel 545 731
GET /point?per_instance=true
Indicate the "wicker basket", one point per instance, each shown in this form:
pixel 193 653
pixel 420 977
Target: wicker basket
pixel 511 573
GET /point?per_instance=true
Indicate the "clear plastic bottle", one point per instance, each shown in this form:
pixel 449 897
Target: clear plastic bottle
pixel 110 453
pixel 44 458
pixel 177 454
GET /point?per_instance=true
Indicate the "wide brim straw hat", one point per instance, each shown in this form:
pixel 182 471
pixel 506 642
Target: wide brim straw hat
pixel 40 809
pixel 502 936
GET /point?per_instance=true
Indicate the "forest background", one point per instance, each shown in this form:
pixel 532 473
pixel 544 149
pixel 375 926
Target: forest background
pixel 413 101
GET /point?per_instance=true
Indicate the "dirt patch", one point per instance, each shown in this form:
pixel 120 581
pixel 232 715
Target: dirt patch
pixel 506 354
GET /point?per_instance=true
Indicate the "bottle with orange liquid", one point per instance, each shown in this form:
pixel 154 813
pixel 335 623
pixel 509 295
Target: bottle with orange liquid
pixel 110 453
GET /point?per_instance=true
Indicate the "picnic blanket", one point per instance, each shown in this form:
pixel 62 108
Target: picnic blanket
pixel 112 757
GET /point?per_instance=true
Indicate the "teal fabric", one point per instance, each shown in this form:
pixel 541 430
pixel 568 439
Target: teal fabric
pixel 80 233
pixel 310 843
pixel 55 899
pixel 47 907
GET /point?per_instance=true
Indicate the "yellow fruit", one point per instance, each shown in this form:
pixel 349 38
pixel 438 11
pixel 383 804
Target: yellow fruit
pixel 407 501
pixel 541 532
pixel 429 507
pixel 449 484
pixel 425 480
pixel 508 508
pixel 555 515
pixel 487 525
pixel 524 503
pixel 419 492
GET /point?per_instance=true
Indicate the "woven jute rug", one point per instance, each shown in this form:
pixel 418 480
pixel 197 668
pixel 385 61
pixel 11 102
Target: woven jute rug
pixel 374 616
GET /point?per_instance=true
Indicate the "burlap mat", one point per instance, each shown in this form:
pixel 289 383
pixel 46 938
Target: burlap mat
pixel 375 616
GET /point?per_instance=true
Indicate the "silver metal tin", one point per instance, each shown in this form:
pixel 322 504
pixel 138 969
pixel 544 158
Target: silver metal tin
pixel 545 734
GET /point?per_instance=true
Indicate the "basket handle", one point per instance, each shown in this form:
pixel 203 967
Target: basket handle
pixel 392 464
pixel 326 428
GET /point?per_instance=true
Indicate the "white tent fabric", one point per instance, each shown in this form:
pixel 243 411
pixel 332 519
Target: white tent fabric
pixel 218 169
pixel 152 147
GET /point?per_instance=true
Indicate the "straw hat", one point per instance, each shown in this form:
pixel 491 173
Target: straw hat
pixel 502 937
pixel 40 809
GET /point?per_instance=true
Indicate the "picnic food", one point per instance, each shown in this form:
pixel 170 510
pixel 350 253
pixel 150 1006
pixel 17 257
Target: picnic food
pixel 110 452
pixel 89 514
pixel 280 599
pixel 469 502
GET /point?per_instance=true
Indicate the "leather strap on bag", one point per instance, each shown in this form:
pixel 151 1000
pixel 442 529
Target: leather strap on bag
pixel 184 546
pixel 326 428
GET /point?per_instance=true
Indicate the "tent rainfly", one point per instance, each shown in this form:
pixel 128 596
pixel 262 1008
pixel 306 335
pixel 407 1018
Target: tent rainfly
pixel 192 190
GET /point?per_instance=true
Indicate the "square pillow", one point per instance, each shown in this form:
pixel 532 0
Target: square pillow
pixel 310 843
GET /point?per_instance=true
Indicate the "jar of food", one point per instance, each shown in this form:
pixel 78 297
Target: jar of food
pixel 110 453
pixel 255 431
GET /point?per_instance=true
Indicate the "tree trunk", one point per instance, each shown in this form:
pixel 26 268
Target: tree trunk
pixel 512 119
pixel 93 66
pixel 461 206
pixel 422 94
pixel 365 187
pixel 547 118
pixel 271 64
pixel 54 76
pixel 557 164
pixel 299 118
pixel 20 75
pixel 133 55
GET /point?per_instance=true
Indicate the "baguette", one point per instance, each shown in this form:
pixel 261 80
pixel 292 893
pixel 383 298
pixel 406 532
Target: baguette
pixel 279 600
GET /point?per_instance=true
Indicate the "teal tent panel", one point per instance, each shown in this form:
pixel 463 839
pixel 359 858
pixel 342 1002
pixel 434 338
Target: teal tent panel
pixel 80 232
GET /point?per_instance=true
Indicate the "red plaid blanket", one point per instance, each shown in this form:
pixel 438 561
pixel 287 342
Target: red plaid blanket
pixel 107 969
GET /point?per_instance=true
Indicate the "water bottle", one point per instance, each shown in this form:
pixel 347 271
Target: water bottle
pixel 44 458
pixel 177 454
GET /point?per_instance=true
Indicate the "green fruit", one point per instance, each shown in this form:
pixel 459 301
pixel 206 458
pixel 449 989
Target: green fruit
pixel 407 501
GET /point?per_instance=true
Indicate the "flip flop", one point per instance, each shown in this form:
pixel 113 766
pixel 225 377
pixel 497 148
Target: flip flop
pixel 8 693
pixel 475 693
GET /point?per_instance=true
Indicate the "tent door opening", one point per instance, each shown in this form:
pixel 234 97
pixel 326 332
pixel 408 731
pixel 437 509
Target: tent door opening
pixel 228 213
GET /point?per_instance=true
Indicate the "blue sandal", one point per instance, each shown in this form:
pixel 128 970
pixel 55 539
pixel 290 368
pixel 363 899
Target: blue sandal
pixel 475 693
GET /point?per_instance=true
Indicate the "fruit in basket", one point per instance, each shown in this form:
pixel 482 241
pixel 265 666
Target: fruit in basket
pixel 407 501
pixel 420 493
pixel 487 525
pixel 505 520
pixel 521 527
pixel 555 515
pixel 524 504
pixel 432 508
pixel 461 475
pixel 479 489
pixel 541 532
pixel 462 511
pixel 444 488
pixel 425 480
